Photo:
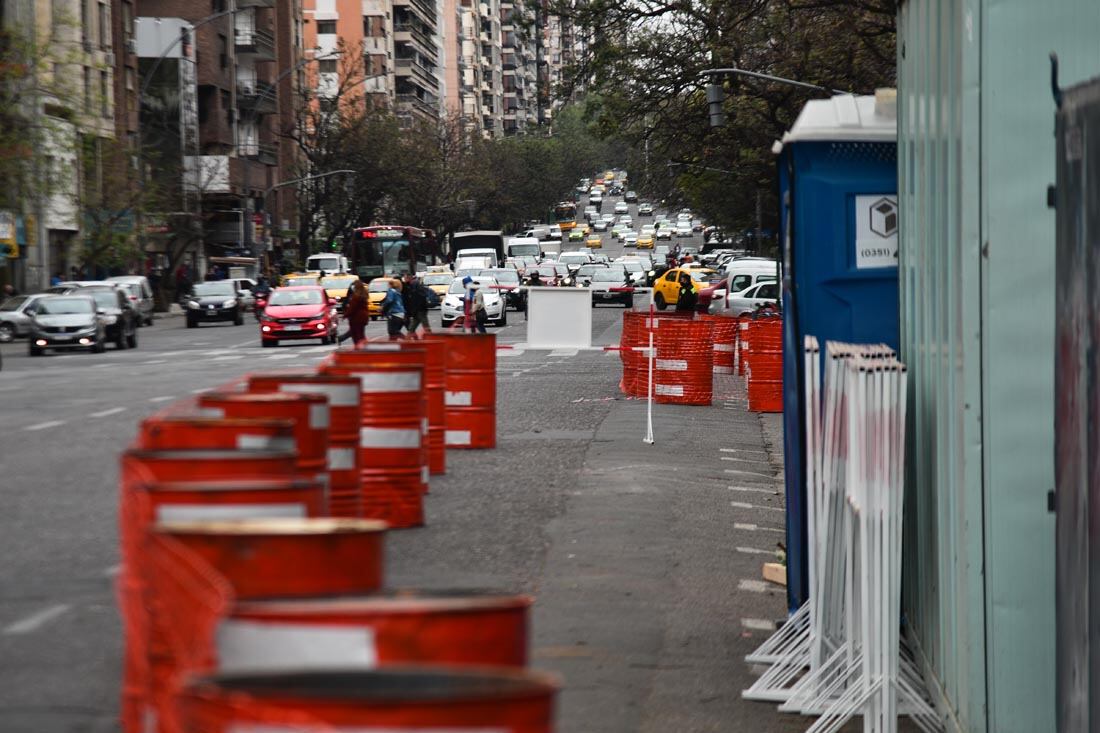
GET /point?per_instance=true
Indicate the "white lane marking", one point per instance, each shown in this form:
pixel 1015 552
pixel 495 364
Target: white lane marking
pixel 44 425
pixel 758 624
pixel 757 461
pixel 754 528
pixel 202 390
pixel 109 411
pixel 563 352
pixel 249 342
pixel 739 472
pixel 755 586
pixel 742 450
pixel 228 358
pixel 36 620
pixel 155 361
pixel 162 398
pixel 746 505
pixel 99 366
pixel 754 551
pixel 279 357
pixel 752 489
pixel 317 349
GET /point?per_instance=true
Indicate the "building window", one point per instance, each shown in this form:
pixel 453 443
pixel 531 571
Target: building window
pixel 88 104
pixel 326 27
pixel 327 66
pixel 217 6
pixel 104 26
pixel 223 50
pixel 85 26
pixel 104 94
pixel 129 79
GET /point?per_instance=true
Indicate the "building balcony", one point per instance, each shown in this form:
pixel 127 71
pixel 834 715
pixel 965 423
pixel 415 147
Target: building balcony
pixel 424 9
pixel 257 98
pixel 416 36
pixel 260 152
pixel 411 102
pixel 255 42
pixel 417 73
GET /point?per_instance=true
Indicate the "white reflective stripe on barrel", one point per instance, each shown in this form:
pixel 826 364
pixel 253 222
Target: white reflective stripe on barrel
pixel 670 390
pixel 723 347
pixel 459 399
pixel 458 437
pixel 266 442
pixel 424 427
pixel 202 512
pixel 389 382
pixel 389 438
pixel 341 459
pixel 723 370
pixel 339 395
pixel 318 417
pixel 251 645
pixel 673 365
pixel 425 475
pixel 210 412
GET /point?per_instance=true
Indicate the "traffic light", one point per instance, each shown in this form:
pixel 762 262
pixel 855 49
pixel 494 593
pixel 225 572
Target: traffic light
pixel 716 95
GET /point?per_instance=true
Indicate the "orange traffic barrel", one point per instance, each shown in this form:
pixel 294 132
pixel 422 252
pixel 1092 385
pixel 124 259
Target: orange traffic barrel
pixel 398 627
pixel 393 462
pixel 309 412
pixel 393 699
pixel 288 558
pixel 683 368
pixel 343 404
pixel 188 432
pixel 471 389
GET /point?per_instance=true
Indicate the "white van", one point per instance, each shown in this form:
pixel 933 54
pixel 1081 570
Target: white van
pixel 537 233
pixel 329 263
pixel 482 258
pixel 741 274
pixel 523 246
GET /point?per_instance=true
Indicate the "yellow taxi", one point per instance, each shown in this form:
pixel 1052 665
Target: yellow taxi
pixel 666 289
pixel 645 241
pixel 376 292
pixel 438 282
pixel 337 286
pixel 594 242
pixel 296 279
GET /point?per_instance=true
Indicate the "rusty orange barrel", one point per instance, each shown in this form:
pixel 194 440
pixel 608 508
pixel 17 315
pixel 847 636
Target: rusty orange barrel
pixel 393 463
pixel 309 412
pixel 391 699
pixel 288 558
pixel 188 432
pixel 343 404
pixel 398 627
pixel 471 389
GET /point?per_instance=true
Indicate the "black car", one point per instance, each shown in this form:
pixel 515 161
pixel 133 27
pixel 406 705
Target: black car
pixel 66 322
pixel 630 197
pixel 215 300
pixel 118 316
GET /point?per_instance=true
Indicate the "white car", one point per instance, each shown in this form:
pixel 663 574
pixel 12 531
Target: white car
pixel 751 298
pixel 630 238
pixel 683 229
pixel 453 308
pixel 555 231
pixel 645 209
pixel 626 221
pixel 17 316
pixel 622 208
pixel 648 229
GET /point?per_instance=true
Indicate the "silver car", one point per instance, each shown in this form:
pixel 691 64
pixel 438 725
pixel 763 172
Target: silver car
pixel 140 294
pixel 16 315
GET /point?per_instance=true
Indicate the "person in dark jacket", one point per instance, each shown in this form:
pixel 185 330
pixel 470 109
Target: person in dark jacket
pixel 415 297
pixel 687 297
pixel 358 313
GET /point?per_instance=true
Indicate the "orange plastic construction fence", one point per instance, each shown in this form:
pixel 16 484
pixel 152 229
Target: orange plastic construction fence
pixel 683 370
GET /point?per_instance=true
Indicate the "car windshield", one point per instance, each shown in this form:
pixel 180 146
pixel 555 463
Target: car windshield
pixel 607 275
pixel 65 306
pixel 632 266
pixel 437 279
pixel 334 283
pixel 104 298
pixel 547 270
pixel 700 276
pixel 573 259
pixel 508 277
pixel 379 285
pixel 484 282
pixel 12 304
pixel 291 282
pixel 296 297
pixel 589 270
pixel 216 288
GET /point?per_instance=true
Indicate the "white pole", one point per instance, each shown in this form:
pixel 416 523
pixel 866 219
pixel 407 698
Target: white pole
pixel 649 406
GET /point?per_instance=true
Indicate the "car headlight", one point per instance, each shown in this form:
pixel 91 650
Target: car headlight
pixel 192 304
pixel 229 303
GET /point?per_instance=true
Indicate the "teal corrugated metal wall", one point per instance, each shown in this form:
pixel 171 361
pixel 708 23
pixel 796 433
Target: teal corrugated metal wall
pixel 976 153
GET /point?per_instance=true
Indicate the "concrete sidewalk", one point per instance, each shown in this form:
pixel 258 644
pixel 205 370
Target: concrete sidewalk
pixel 653 592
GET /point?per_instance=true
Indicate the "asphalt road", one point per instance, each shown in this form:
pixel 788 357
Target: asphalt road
pixel 645 560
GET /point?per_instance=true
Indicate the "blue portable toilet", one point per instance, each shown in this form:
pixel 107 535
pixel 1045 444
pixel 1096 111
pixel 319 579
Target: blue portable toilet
pixel 838 238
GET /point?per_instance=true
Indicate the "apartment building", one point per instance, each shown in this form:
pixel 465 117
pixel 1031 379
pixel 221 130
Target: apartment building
pixel 520 39
pixel 233 75
pixel 391 47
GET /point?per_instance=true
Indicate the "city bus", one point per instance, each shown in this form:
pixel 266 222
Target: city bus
pixel 389 250
pixel 565 215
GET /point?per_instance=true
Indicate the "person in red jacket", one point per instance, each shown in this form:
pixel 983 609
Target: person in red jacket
pixel 358 313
